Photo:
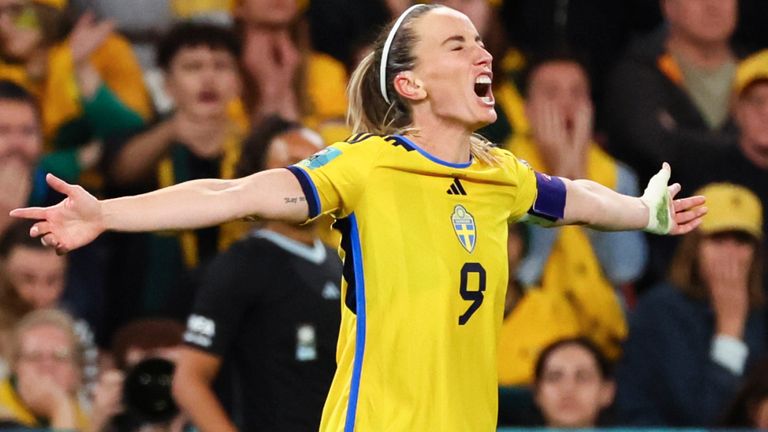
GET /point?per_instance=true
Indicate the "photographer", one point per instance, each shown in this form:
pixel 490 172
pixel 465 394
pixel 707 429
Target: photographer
pixel 136 396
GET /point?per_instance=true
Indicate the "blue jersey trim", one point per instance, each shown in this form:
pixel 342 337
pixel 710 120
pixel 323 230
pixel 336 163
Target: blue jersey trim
pixel 433 158
pixel 357 259
pixel 550 198
pixel 309 189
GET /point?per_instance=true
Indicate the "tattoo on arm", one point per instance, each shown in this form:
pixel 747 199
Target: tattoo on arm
pixel 294 200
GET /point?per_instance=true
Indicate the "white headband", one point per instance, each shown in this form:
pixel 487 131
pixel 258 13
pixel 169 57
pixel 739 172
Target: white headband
pixel 385 51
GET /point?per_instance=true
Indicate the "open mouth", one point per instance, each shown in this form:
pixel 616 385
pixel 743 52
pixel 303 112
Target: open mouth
pixel 208 96
pixel 483 89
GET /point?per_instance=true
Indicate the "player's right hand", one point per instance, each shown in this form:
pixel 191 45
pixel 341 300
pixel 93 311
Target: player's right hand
pixel 68 225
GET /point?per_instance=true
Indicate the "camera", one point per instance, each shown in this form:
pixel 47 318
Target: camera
pixel 147 391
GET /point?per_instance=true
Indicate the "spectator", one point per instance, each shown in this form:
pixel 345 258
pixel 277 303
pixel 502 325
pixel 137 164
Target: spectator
pixel 22 172
pixel 669 98
pixel 136 346
pixel 20 150
pixel 286 78
pixel 573 273
pixel 31 278
pixel 672 91
pixel 745 163
pixel 749 409
pixel 45 382
pixel 201 138
pixel 573 384
pixel 691 337
pixel 270 309
pixel 88 81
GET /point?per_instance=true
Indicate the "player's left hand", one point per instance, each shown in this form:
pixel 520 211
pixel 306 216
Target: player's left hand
pixel 668 215
pixel 686 212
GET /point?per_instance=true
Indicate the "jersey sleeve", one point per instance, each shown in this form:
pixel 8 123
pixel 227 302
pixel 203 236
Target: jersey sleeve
pixel 334 178
pixel 538 194
pixel 525 179
pixel 224 297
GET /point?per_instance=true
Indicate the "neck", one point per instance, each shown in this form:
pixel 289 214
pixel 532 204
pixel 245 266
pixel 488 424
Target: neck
pixel 301 233
pixel 700 53
pixel 446 141
pixel 209 142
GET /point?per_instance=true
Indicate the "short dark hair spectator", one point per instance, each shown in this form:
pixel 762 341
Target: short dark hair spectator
pixel 603 364
pixel 255 147
pixel 17 234
pixel 9 90
pixel 196 34
pixel 558 56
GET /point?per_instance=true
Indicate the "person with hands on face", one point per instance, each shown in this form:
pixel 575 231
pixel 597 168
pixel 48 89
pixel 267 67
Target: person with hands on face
pixel 20 147
pixel 42 390
pixel 272 60
pixel 88 82
pixel 284 76
pixel 692 337
pixel 424 207
pixel 575 274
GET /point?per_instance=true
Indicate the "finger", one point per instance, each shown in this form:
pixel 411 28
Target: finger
pixel 48 240
pixel 84 21
pixel 686 228
pixel 29 213
pixel 687 216
pixel 58 184
pixel 674 189
pixel 40 229
pixel 104 28
pixel 60 249
pixel 688 203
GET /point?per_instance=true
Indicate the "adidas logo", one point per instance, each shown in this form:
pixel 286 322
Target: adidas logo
pixel 456 188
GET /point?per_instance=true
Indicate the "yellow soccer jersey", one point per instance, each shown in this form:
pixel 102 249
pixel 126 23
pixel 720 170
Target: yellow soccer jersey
pixel 425 274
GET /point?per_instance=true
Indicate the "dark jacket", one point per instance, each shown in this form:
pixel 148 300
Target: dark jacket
pixel 649 117
pixel 667 377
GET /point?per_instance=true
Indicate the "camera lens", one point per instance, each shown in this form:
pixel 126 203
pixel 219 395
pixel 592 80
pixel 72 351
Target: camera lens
pixel 147 390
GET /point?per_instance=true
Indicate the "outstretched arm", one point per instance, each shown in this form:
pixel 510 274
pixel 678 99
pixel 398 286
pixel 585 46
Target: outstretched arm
pixel 656 211
pixel 80 218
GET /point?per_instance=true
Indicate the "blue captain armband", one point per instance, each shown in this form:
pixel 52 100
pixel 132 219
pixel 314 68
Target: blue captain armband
pixel 549 205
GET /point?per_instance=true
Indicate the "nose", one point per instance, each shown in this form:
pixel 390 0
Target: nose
pixel 484 58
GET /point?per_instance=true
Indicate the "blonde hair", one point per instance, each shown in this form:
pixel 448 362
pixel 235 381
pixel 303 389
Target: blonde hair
pixel 369 112
pixel 46 317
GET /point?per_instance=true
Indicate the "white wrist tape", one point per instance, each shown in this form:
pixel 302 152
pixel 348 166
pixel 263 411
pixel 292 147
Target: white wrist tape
pixel 656 198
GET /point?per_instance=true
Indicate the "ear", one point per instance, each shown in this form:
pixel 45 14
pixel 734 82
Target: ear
pixel 607 393
pixel 409 87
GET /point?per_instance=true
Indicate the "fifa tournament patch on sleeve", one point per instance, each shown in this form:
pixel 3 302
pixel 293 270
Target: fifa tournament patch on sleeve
pixel 550 198
pixel 320 158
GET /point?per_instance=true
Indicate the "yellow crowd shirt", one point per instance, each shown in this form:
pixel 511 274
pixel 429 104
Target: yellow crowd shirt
pixel 425 273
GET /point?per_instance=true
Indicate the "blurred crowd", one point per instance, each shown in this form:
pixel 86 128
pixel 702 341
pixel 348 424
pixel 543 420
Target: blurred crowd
pixel 234 327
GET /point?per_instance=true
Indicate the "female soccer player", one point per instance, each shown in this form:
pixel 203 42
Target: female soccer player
pixel 423 206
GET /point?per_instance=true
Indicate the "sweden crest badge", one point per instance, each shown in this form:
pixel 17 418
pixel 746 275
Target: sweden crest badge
pixel 464 226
